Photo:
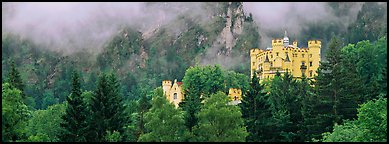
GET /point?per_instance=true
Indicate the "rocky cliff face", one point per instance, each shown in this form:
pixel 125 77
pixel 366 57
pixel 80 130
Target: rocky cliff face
pixel 233 27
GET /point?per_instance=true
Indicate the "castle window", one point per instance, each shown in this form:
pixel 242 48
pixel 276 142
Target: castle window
pixel 175 95
pixel 310 55
pixel 310 63
pixel 253 63
pixel 277 53
pixel 271 64
pixel 302 63
pixel 302 55
pixel 271 56
pixel 310 73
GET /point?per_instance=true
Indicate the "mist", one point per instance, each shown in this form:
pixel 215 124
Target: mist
pixel 293 16
pixel 69 27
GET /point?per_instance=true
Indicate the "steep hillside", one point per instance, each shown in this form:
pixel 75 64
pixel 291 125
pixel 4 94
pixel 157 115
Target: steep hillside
pixel 142 59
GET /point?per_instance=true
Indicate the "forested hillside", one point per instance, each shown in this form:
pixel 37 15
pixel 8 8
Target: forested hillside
pixel 114 95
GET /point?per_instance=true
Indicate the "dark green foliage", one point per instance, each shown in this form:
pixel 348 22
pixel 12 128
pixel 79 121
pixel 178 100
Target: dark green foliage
pixel 118 118
pixel 285 105
pixel 312 111
pixel 144 106
pixel 14 78
pixel 107 109
pixel 255 111
pixel 370 58
pixel 75 119
pixel 330 78
pixel 371 125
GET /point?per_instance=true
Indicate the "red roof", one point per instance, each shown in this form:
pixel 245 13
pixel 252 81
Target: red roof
pixel 179 83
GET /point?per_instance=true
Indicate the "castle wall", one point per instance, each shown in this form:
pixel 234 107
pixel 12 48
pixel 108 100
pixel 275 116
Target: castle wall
pixel 173 92
pixel 310 57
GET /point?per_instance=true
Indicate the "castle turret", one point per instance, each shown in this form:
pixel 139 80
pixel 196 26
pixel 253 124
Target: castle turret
pixel 253 60
pixel 314 47
pixel 286 40
pixel 166 85
pixel 277 43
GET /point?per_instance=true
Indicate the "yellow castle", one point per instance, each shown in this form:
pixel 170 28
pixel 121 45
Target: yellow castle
pixel 283 57
pixel 175 95
pixel 173 92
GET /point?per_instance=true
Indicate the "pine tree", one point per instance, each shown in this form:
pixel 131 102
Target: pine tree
pixel 74 121
pixel 285 105
pixel 144 106
pixel 117 116
pixel 330 78
pixel 353 88
pixel 311 120
pixel 14 78
pixel 255 111
pixel 107 109
pixel 192 105
pixel 338 88
pixel 98 107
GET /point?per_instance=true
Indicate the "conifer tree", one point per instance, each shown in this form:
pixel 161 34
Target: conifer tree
pixel 255 111
pixel 107 109
pixel 144 106
pixel 311 120
pixel 353 87
pixel 117 116
pixel 14 78
pixel 98 108
pixel 75 119
pixel 329 80
pixel 285 105
pixel 337 88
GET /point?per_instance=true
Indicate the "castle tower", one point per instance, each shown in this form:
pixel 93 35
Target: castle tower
pixel 166 85
pixel 286 40
pixel 314 47
pixel 253 60
pixel 277 45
